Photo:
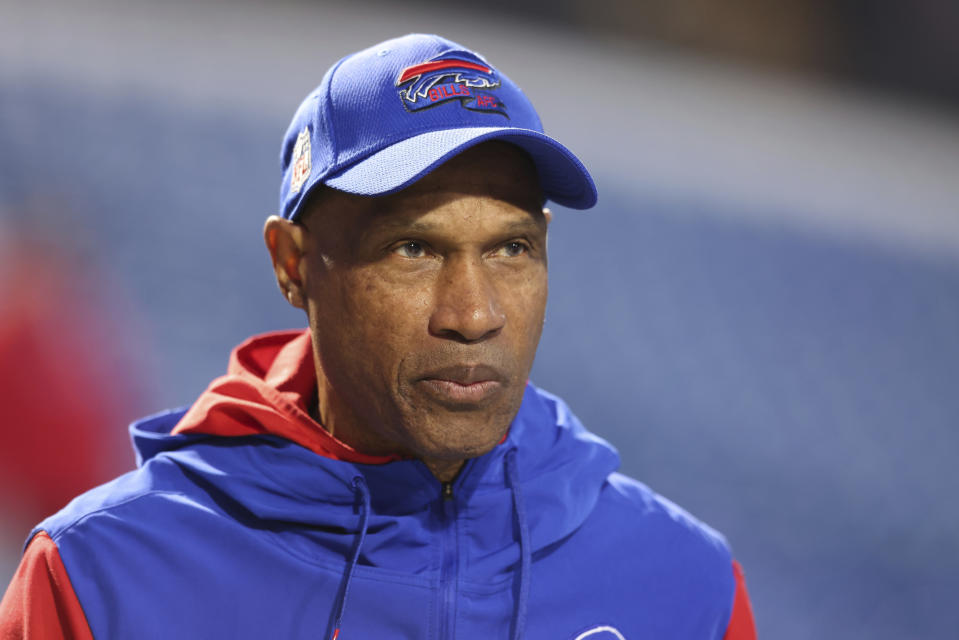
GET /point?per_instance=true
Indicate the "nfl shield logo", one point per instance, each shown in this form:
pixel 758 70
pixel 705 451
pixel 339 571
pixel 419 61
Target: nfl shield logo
pixel 301 161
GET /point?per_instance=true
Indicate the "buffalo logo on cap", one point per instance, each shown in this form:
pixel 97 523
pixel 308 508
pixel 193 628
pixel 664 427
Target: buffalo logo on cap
pixel 456 75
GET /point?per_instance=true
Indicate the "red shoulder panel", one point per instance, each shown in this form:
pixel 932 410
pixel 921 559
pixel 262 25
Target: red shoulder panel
pixel 40 603
pixel 741 625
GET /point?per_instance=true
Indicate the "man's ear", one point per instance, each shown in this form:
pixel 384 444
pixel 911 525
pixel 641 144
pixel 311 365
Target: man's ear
pixel 548 215
pixel 286 242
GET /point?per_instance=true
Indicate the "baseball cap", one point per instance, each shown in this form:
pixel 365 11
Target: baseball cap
pixel 386 116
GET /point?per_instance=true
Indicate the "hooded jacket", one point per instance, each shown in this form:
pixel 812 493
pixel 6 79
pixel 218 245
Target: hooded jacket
pixel 246 519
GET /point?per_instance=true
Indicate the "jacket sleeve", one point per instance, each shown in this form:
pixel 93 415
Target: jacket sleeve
pixel 40 603
pixel 741 625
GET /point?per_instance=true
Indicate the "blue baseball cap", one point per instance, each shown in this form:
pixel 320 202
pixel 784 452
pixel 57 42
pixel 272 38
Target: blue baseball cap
pixel 385 117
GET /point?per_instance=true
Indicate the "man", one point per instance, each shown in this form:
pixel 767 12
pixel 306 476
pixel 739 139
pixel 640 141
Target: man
pixel 389 473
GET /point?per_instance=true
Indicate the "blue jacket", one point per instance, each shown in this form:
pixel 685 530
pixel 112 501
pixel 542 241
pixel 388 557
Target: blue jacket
pixel 256 536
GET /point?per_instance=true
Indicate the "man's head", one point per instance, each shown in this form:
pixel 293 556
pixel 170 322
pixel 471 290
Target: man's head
pixel 413 234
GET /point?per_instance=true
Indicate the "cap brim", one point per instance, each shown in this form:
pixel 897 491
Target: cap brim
pixel 563 177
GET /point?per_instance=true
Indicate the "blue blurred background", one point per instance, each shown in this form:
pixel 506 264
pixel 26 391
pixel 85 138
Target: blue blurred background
pixel 762 313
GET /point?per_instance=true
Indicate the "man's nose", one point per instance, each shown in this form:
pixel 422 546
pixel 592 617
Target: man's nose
pixel 466 302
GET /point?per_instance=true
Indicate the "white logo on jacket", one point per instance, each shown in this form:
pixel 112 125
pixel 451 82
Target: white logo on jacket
pixel 603 632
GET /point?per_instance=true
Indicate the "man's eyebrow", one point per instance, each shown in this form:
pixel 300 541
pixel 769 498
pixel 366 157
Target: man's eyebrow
pixel 400 224
pixel 526 225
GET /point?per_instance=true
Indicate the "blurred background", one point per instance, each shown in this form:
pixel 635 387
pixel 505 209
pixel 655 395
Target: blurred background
pixel 762 313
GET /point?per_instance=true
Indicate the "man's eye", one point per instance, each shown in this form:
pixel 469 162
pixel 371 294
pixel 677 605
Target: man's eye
pixel 411 249
pixel 513 249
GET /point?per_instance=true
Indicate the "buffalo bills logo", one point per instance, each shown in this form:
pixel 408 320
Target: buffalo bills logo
pixel 451 76
pixel 602 632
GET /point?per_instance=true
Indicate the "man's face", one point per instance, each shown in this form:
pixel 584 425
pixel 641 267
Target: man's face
pixel 426 306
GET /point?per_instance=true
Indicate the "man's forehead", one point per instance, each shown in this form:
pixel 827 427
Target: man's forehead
pixel 412 221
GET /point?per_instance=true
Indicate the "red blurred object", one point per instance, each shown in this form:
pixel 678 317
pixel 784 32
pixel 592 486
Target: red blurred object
pixel 62 412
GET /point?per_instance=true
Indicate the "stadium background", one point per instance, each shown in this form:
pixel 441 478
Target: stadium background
pixel 762 313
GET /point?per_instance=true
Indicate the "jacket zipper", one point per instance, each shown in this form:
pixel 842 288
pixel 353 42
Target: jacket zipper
pixel 448 569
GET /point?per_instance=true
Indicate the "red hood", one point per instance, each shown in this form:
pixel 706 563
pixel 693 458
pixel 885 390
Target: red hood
pixel 268 387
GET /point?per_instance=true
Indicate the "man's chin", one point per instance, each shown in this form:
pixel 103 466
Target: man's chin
pixel 461 442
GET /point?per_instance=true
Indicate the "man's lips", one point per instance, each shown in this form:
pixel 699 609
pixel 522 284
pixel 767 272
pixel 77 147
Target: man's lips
pixel 463 384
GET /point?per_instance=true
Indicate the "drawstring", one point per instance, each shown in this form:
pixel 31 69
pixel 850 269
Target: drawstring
pixel 519 622
pixel 362 496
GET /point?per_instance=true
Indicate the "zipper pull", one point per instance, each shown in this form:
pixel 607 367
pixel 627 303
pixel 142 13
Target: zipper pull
pixel 447 490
